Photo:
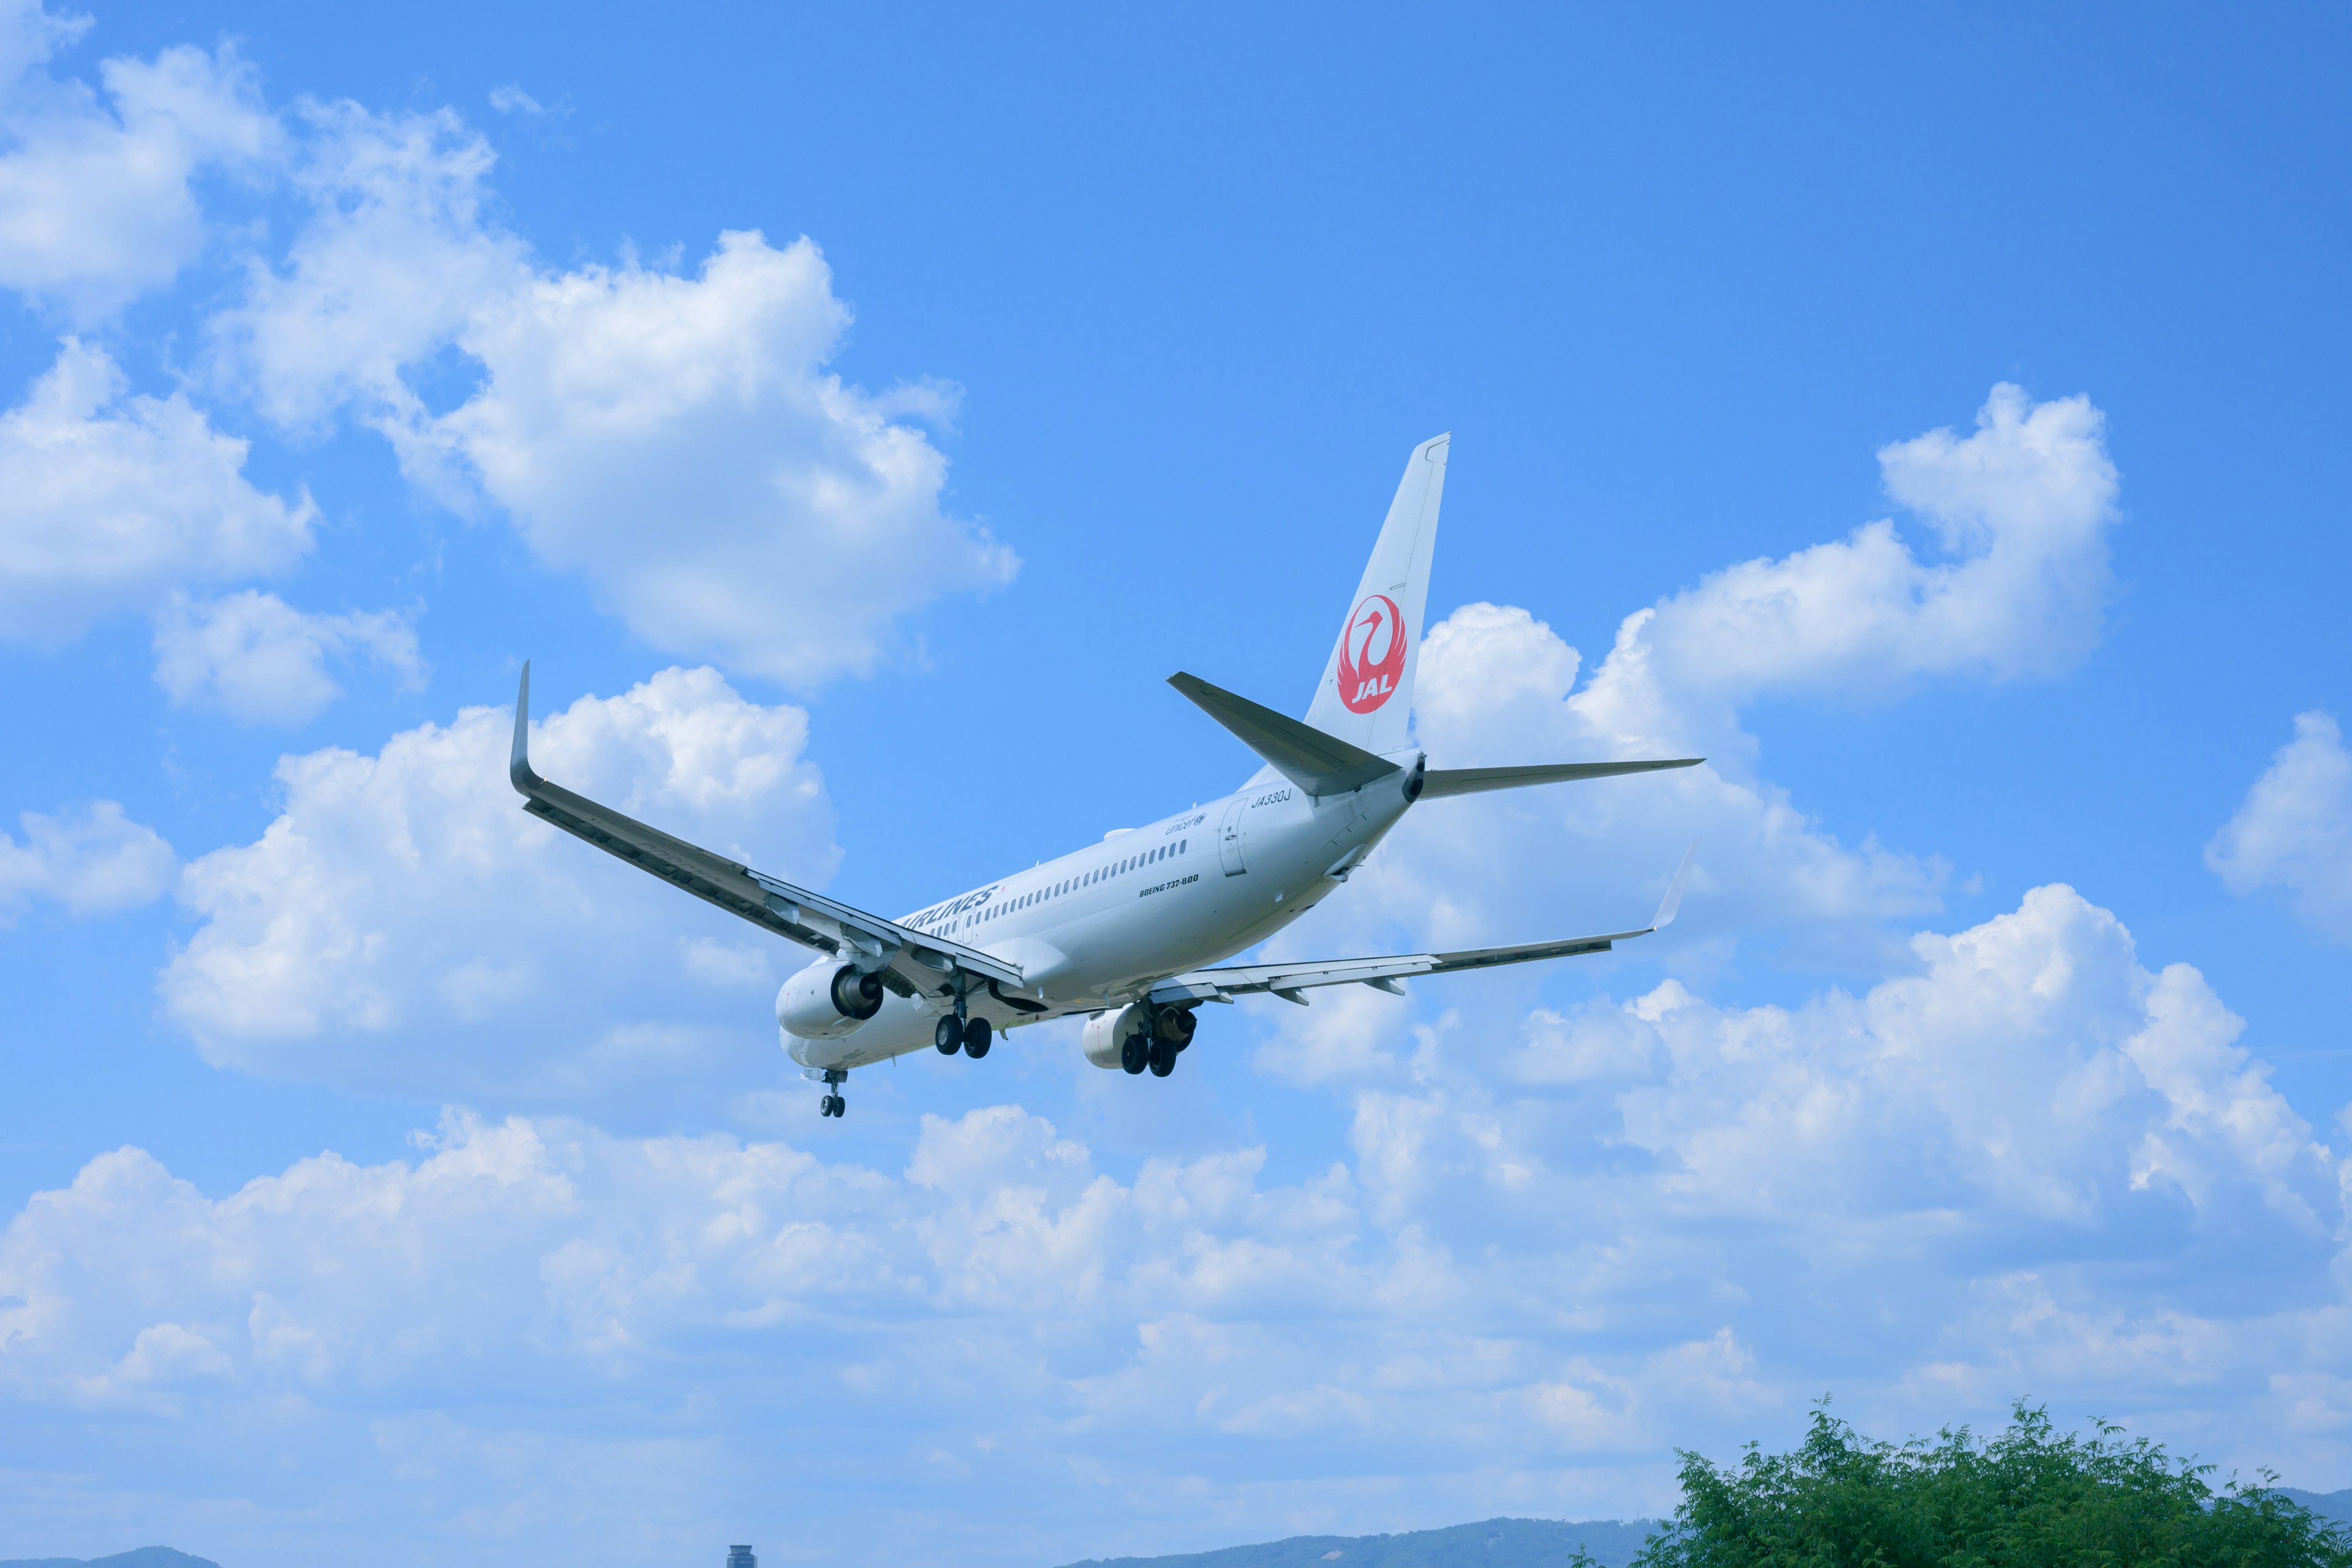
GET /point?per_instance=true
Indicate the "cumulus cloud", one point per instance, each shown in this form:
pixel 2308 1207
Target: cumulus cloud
pixel 676 438
pixel 402 921
pixel 96 206
pixel 2021 508
pixel 109 503
pixel 1544 1262
pixel 2293 830
pixel 93 862
pixel 395 256
pixel 257 658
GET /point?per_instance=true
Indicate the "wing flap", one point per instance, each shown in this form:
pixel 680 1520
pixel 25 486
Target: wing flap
pixel 1285 980
pixel 1240 980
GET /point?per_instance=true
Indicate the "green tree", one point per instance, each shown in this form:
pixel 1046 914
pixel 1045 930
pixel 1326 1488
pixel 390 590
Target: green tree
pixel 2028 1497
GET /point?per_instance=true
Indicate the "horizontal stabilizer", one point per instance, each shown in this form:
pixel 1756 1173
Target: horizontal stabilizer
pixel 1472 781
pixel 1315 762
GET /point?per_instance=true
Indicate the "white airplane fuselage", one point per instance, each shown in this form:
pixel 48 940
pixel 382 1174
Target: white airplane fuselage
pixel 1094 928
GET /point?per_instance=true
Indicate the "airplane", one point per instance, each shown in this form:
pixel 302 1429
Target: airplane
pixel 1130 931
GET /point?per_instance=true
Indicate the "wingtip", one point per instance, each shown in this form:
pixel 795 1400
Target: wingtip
pixel 1672 904
pixel 518 763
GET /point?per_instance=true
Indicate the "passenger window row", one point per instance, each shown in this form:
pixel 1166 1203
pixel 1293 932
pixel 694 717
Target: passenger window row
pixel 1117 867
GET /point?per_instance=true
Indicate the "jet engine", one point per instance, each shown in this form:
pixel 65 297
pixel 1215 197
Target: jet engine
pixel 827 1000
pixel 1107 1034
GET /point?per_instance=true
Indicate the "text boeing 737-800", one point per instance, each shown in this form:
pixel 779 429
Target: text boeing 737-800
pixel 1124 931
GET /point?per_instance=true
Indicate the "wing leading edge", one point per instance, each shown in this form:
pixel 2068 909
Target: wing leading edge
pixel 1288 979
pixel 909 960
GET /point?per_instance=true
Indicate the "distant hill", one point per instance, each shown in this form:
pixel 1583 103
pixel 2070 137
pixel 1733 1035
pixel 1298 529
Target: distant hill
pixel 2337 1506
pixel 1496 1543
pixel 144 1557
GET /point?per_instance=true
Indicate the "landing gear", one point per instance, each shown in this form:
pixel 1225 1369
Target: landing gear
pixel 832 1104
pixel 1163 1058
pixel 977 1035
pixel 949 1036
pixel 1135 1054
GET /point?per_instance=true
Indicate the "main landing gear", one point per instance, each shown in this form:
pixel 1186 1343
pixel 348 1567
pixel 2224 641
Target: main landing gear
pixel 1166 1032
pixel 971 1035
pixel 832 1104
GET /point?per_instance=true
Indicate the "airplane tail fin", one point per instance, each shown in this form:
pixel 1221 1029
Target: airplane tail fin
pixel 1366 695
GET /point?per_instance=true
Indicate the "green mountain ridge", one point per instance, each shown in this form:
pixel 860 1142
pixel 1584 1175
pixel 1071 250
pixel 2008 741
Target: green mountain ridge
pixel 1491 1543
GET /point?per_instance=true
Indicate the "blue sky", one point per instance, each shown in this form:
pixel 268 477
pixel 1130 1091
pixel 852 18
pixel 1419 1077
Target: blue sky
pixel 856 416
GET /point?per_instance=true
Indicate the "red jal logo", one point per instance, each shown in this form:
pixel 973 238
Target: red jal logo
pixel 1371 654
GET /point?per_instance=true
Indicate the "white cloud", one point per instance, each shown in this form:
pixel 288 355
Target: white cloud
pixel 2293 830
pixel 2033 1164
pixel 676 439
pixel 393 260
pixel 108 502
pixel 257 658
pixel 402 921
pixel 509 98
pixel 2034 1070
pixel 2022 508
pixel 93 862
pixel 95 200
pixel 678 442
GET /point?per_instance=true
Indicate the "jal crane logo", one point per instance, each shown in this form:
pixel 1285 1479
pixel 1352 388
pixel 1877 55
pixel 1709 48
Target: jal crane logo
pixel 1371 654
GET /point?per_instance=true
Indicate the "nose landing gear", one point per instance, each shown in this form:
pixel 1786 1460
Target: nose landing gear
pixel 832 1104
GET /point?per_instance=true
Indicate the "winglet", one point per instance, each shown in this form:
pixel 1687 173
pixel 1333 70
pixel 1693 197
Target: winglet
pixel 1672 904
pixel 518 766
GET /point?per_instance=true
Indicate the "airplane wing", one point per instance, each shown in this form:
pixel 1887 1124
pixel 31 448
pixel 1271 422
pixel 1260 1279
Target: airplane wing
pixel 1288 979
pixel 909 960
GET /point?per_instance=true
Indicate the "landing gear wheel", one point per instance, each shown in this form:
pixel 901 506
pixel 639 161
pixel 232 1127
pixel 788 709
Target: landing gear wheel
pixel 1163 1058
pixel 977 1036
pixel 829 1106
pixel 1134 1053
pixel 949 1036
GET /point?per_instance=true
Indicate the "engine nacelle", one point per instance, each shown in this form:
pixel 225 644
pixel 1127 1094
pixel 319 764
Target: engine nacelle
pixel 827 1000
pixel 1106 1034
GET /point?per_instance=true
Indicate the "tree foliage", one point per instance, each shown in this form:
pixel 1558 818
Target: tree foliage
pixel 2028 1497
